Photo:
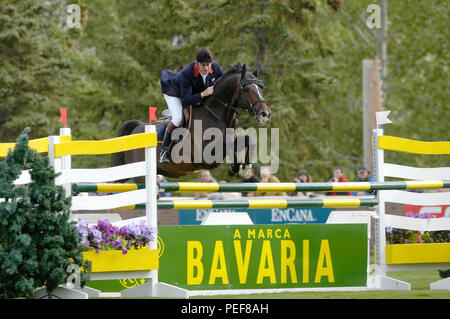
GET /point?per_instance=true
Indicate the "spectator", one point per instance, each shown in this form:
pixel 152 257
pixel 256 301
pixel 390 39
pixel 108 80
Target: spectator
pixel 303 177
pixel 224 195
pixel 206 177
pixel 267 177
pixel 161 178
pixel 338 177
pixel 250 177
pixel 363 176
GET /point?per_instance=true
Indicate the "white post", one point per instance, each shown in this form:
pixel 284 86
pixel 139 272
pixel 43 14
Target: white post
pixel 381 280
pixel 55 162
pixel 66 161
pixel 152 192
pixel 380 231
pixel 151 185
pixel 153 288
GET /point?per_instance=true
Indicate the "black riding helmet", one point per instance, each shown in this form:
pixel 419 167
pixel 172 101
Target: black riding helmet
pixel 204 56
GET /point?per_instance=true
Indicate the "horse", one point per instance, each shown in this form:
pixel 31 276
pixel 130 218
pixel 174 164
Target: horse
pixel 234 91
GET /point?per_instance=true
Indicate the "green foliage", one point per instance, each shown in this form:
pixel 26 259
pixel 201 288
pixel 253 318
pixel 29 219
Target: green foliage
pixel 33 67
pixel 37 241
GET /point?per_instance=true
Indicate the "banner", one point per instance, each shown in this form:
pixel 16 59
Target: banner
pixel 426 211
pixel 262 216
pixel 263 256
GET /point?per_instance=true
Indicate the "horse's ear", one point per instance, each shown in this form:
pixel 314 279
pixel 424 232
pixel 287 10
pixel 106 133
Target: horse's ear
pixel 255 73
pixel 243 71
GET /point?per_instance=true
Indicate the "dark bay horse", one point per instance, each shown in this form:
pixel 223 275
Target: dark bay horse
pixel 236 90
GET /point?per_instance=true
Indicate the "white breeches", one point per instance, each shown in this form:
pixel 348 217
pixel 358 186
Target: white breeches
pixel 176 108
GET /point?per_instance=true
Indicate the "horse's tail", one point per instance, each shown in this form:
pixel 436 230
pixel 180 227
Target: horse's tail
pixel 127 128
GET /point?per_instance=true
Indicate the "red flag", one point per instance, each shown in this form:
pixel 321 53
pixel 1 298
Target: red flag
pixel 152 114
pixel 63 118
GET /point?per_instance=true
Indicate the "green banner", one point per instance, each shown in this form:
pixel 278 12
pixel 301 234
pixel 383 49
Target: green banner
pixel 263 256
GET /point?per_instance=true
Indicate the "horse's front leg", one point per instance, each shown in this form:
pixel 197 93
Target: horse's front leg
pixel 250 144
pixel 241 151
pixel 230 154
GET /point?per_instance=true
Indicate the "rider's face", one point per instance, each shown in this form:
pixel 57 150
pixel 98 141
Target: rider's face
pixel 204 67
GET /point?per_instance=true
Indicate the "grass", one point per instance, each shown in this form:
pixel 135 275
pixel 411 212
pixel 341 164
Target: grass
pixel 419 280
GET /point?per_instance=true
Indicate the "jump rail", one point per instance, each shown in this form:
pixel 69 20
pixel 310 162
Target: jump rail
pixel 261 203
pixel 194 187
pixel 182 187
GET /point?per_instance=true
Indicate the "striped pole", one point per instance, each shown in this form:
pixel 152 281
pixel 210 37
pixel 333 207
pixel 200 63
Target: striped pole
pixel 106 188
pixel 260 203
pixel 186 187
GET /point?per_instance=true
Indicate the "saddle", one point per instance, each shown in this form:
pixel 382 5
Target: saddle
pixel 167 117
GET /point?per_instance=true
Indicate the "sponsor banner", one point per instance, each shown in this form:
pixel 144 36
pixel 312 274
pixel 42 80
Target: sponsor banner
pixel 263 256
pixel 426 211
pixel 261 216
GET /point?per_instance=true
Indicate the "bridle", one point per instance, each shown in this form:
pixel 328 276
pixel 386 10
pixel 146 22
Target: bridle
pixel 250 106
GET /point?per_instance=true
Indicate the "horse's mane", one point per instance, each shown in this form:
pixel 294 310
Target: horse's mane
pixel 237 68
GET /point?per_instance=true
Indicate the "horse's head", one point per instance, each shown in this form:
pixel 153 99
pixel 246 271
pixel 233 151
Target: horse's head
pixel 239 89
pixel 250 94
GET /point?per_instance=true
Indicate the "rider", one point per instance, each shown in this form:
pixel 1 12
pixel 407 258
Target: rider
pixel 188 87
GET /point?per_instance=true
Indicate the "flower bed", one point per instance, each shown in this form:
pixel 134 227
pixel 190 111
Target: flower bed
pixel 427 246
pixel 405 236
pixel 114 249
pixel 104 236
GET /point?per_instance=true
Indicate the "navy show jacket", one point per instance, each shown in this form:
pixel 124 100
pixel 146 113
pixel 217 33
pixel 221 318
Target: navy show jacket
pixel 188 83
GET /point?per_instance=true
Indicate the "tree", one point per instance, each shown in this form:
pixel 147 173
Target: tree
pixel 37 241
pixel 33 67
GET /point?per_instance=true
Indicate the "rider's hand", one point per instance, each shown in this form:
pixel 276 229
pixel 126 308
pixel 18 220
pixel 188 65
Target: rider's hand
pixel 208 91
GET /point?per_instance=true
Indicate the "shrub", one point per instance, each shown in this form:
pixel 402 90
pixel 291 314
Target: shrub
pixel 37 241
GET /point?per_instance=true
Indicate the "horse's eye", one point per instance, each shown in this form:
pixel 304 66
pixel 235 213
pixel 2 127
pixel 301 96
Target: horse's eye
pixel 246 90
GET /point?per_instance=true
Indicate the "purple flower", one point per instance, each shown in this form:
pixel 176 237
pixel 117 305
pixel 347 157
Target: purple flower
pixel 410 214
pixel 106 237
pixel 116 243
pixel 124 231
pixel 96 237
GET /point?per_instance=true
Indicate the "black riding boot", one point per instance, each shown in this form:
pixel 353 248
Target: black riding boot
pixel 164 153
